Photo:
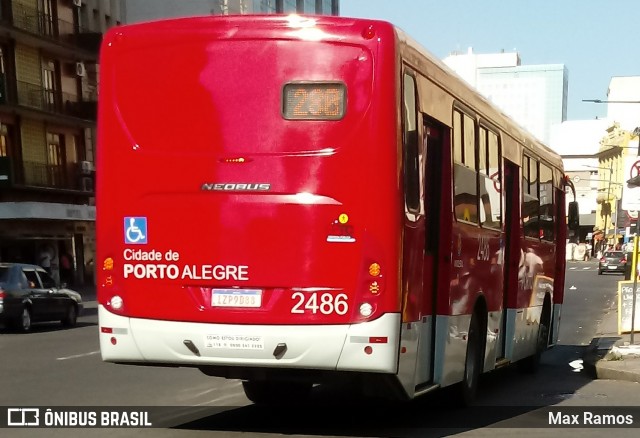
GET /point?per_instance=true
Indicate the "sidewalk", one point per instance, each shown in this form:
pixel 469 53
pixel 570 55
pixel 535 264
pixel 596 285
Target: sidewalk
pixel 88 293
pixel 610 355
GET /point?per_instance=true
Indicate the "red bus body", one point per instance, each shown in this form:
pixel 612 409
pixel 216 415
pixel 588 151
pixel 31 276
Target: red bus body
pixel 274 205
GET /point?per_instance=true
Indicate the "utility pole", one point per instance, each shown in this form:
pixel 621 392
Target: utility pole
pixel 607 201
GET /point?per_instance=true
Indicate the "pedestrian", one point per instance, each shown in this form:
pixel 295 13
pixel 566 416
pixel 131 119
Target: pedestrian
pixel 45 257
pixel 66 268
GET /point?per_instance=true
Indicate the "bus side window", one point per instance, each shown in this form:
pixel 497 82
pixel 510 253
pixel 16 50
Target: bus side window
pixel 489 179
pixel 465 196
pixel 410 147
pixel 547 204
pixel 530 199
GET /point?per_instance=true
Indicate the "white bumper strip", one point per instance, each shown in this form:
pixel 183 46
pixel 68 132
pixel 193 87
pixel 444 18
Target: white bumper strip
pixel 330 347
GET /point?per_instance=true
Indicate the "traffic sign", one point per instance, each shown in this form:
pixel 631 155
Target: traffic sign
pixel 631 195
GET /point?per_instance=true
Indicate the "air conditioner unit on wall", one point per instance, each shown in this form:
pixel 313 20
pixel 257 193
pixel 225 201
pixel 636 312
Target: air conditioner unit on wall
pixel 77 3
pixel 80 69
pixel 87 184
pixel 86 167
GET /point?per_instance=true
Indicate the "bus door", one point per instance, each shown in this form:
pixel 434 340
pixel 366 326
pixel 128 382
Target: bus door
pixel 433 145
pixel 511 250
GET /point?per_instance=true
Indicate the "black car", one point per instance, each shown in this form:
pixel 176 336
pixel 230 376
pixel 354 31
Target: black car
pixel 29 294
pixel 612 261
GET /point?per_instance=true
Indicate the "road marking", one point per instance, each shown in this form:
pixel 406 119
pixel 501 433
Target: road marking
pixel 75 356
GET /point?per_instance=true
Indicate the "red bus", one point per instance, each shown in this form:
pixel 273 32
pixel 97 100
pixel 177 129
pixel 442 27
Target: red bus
pixel 293 200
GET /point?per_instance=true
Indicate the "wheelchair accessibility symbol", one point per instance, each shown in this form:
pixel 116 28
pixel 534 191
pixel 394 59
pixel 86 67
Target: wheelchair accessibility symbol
pixel 135 230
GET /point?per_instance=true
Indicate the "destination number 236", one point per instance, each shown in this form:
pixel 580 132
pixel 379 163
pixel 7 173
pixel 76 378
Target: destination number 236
pixel 325 303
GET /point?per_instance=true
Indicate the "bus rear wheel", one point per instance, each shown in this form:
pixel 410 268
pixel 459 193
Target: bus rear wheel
pixel 532 363
pixel 275 392
pixel 472 365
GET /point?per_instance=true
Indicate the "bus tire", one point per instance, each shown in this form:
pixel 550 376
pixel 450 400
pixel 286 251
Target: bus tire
pixel 473 363
pixel 531 364
pixel 275 392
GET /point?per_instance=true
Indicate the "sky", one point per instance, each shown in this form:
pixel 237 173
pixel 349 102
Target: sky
pixel 595 39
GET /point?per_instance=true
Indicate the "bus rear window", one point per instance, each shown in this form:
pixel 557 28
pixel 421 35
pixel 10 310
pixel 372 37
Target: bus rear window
pixel 314 101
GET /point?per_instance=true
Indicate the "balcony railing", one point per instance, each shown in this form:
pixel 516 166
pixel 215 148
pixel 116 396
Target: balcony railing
pixel 64 177
pixel 36 22
pixel 38 97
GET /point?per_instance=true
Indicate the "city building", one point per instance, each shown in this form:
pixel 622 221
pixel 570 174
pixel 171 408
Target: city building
pixel 143 10
pixel 578 142
pixel 48 106
pixel 597 156
pixel 535 96
pixel 623 101
pixel 619 160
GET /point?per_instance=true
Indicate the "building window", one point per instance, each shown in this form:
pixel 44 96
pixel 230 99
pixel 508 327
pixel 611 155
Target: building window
pixel 4 140
pixel 326 7
pixel 49 84
pixel 3 77
pixel 55 167
pixel 290 6
pixel 309 6
pixel 54 149
pixel 264 6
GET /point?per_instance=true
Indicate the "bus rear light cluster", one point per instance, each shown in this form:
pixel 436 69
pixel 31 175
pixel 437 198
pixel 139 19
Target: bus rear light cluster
pixel 372 288
pixel 375 285
pixel 107 265
pixel 366 310
pixel 369 32
pixel 116 302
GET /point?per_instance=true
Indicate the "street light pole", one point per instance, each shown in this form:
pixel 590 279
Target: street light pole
pixel 606 227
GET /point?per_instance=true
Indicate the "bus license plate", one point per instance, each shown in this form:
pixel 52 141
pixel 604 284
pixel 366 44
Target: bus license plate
pixel 236 297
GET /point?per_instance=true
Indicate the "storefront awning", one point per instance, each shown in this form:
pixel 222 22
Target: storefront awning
pixel 47 210
pixel 588 219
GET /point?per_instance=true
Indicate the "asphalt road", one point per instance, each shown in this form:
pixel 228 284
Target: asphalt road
pixel 53 367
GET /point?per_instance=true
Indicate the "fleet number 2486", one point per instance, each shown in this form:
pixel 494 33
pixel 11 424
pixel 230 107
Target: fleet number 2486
pixel 325 303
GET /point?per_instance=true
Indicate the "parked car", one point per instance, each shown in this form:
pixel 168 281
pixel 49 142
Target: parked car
pixel 612 261
pixel 29 294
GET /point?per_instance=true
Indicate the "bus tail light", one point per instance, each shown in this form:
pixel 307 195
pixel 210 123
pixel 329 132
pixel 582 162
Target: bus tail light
pixel 116 302
pixel 371 290
pixel 366 310
pixel 110 295
pixel 369 32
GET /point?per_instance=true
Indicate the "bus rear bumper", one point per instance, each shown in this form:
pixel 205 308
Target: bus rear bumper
pixel 366 347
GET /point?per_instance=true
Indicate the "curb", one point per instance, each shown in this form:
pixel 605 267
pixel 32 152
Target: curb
pixel 605 359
